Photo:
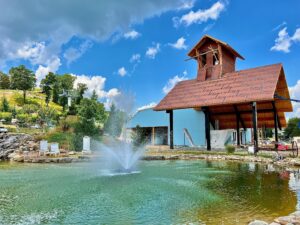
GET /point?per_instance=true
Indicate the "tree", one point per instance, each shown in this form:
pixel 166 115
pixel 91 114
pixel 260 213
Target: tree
pixel 89 113
pixel 4 105
pixel 138 137
pixel 66 83
pixel 4 81
pixel 81 88
pixel 94 96
pixel 115 121
pixel 292 129
pixel 22 78
pixel 47 86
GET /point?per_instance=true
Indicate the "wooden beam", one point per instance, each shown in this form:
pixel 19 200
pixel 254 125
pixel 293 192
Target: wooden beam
pixel 276 112
pixel 241 112
pixel 153 135
pixel 275 124
pixel 254 121
pixel 239 116
pixel 237 126
pixel 207 128
pixel 171 128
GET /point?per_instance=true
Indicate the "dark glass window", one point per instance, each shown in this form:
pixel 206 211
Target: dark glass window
pixel 203 60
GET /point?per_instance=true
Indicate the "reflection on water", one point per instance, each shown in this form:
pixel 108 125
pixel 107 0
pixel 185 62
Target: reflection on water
pixel 175 192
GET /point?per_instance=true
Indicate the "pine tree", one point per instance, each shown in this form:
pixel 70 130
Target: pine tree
pixel 4 105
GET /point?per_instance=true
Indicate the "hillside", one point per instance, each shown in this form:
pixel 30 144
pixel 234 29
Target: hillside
pixel 15 99
pixel 31 113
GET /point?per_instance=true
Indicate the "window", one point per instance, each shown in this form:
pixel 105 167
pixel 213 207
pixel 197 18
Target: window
pixel 203 60
pixel 215 58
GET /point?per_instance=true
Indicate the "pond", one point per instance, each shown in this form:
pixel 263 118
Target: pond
pixel 165 192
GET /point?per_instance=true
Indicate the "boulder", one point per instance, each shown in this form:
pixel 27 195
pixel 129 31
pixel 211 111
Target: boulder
pixel 285 220
pixel 258 222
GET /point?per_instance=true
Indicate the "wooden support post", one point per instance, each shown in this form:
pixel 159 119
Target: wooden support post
pixel 207 128
pixel 275 124
pixel 153 135
pixel 237 126
pixel 254 123
pixel 171 128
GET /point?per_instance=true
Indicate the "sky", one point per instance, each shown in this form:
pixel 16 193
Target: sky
pixel 133 52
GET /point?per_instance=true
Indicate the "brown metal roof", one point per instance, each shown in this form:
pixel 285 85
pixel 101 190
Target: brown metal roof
pixel 257 84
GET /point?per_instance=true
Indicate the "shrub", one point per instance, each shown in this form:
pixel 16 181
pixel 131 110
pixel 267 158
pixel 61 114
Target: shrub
pixel 6 115
pixel 76 142
pixel 230 149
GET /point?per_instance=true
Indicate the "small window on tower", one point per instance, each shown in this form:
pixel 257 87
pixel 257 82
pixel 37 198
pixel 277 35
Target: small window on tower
pixel 203 60
pixel 216 59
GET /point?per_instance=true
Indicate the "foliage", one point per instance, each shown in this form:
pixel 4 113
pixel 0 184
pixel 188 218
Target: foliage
pixel 115 122
pixel 94 96
pixel 22 78
pixel 7 116
pixel 68 122
pixel 47 115
pixel 292 129
pixel 138 137
pixel 4 81
pixel 81 89
pixel 76 142
pixel 23 118
pixel 89 113
pixel 230 149
pixel 47 85
pixel 4 105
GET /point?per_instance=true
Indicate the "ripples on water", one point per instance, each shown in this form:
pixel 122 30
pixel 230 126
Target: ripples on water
pixel 175 192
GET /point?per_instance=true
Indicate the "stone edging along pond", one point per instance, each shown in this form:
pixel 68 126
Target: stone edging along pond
pixel 286 162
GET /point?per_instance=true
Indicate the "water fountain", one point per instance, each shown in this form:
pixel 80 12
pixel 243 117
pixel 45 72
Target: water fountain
pixel 119 158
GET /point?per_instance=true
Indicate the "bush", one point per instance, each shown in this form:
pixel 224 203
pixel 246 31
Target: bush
pixel 6 115
pixel 230 149
pixel 76 142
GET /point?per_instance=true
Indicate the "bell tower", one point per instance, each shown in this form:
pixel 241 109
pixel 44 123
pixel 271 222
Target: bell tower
pixel 215 58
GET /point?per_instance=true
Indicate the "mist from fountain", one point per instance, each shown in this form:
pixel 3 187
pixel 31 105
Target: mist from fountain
pixel 119 158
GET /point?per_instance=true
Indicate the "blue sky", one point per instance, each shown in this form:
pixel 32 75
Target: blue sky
pixel 139 47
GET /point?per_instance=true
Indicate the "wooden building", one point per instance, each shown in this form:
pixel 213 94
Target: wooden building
pixel 230 99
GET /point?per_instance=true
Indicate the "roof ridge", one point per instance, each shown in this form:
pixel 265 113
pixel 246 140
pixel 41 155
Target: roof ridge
pixel 259 67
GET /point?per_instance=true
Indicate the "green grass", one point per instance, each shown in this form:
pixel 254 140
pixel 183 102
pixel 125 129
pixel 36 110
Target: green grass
pixel 35 97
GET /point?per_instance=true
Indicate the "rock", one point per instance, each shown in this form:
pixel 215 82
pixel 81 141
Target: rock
pixel 285 220
pixel 17 143
pixel 18 158
pixel 274 223
pixel 258 222
pixel 296 214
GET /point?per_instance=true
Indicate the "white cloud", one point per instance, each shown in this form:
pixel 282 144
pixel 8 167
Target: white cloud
pixel 295 94
pixel 135 58
pixel 187 4
pixel 152 51
pixel 296 36
pixel 179 44
pixel 96 83
pixel 133 34
pixel 54 23
pixel 284 41
pixel 30 51
pixel 172 82
pixel 148 106
pixel 201 16
pixel 72 53
pixel 122 71
pixel 283 24
pixel 50 66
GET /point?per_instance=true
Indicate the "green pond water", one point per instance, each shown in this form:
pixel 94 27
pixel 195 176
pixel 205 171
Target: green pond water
pixel 165 192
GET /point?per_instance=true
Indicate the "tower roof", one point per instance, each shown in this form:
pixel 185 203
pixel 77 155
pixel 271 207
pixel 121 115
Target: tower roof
pixel 206 37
